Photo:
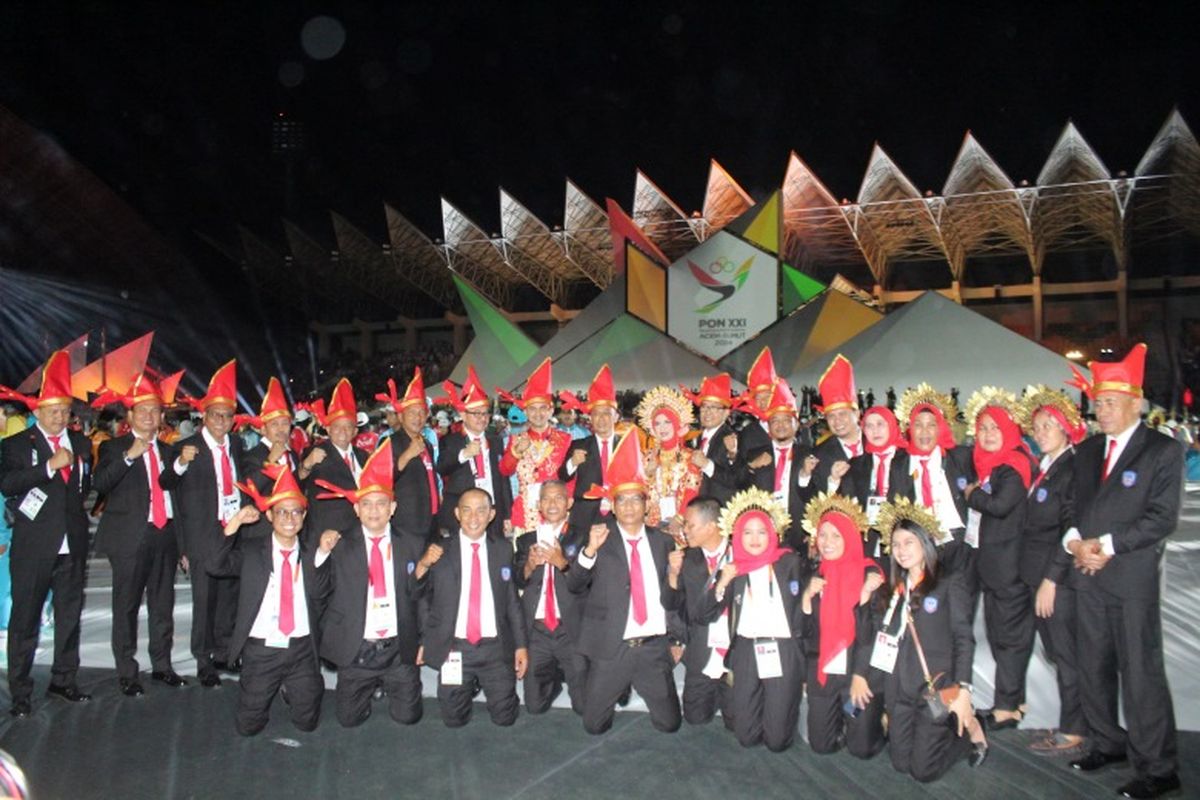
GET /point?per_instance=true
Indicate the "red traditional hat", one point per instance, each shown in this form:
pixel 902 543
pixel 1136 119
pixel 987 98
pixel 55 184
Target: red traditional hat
pixel 341 405
pixel 378 475
pixel 625 472
pixel 761 376
pixel 274 404
pixel 717 388
pixel 1123 376
pixel 601 393
pixel 414 393
pixel 142 389
pixel 473 394
pixel 285 488
pixel 56 384
pixel 782 401
pixel 222 389
pixel 539 387
pixel 836 386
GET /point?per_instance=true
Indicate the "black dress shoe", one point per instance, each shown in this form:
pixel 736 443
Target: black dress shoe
pixel 69 693
pixel 1148 787
pixel 232 667
pixel 169 678
pixel 979 750
pixel 994 724
pixel 131 688
pixel 210 680
pixel 1094 760
pixel 21 709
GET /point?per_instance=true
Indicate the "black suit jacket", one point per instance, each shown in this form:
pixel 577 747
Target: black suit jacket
pixel 960 471
pixel 723 483
pixel 829 452
pixel 944 619
pixel 798 496
pixel 327 515
pixel 606 585
pixel 694 581
pixel 440 590
pixel 1138 504
pixel 867 617
pixel 127 491
pixel 414 516
pixel 458 477
pixel 252 562
pixel 341 581
pixel 1001 505
pixel 1049 513
pixel 23 458
pixel 195 496
pixel 792 573
pixel 752 440
pixel 584 512
pixel 570 605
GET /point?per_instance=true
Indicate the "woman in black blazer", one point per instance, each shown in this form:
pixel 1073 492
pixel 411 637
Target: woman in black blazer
pixel 878 474
pixel 996 499
pixel 935 609
pixel 1045 568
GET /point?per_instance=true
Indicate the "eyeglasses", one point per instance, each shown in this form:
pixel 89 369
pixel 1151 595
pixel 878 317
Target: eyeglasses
pixel 289 513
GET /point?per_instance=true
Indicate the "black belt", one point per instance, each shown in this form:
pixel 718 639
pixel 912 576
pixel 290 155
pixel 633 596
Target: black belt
pixel 263 642
pixel 761 639
pixel 380 644
pixel 639 641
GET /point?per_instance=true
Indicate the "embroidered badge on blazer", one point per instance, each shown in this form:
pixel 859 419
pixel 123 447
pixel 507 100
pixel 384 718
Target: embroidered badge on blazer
pixel 1042 494
pixel 794 587
pixel 930 605
pixel 505 573
pixel 411 567
pixel 570 551
pixel 961 483
pixel 1128 478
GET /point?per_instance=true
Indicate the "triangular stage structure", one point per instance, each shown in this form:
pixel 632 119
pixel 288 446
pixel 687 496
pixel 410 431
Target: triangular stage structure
pixel 115 371
pixel 935 340
pixel 499 350
pixel 805 336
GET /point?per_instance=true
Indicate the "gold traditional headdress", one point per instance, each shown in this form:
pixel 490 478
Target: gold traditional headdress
pixel 924 393
pixel 989 397
pixel 664 397
pixel 823 503
pixel 902 509
pixel 754 499
pixel 1041 396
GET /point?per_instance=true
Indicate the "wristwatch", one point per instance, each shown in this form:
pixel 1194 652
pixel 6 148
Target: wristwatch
pixel 964 685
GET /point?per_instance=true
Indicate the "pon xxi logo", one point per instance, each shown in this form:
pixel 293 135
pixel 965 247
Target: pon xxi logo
pixel 712 278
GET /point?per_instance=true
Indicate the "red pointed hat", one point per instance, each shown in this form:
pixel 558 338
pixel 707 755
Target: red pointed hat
pixel 601 393
pixel 836 386
pixel 285 488
pixel 414 393
pixel 378 475
pixel 782 401
pixel 717 389
pixel 274 404
pixel 56 384
pixel 473 394
pixel 1123 376
pixel 341 404
pixel 761 376
pixel 539 387
pixel 222 389
pixel 625 472
pixel 141 390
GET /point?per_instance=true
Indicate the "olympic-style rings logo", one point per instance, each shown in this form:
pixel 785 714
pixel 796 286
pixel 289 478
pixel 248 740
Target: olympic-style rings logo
pixel 722 266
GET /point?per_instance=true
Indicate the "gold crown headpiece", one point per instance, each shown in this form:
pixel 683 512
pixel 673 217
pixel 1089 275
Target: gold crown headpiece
pixel 989 397
pixel 823 503
pixel 664 397
pixel 753 499
pixel 1041 396
pixel 924 393
pixel 901 509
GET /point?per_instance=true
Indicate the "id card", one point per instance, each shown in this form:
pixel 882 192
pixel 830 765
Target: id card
pixel 972 536
pixel 380 614
pixel 229 506
pixel 33 502
pixel 766 658
pixel 277 639
pixel 718 633
pixel 452 669
pixel 666 507
pixel 885 652
pixel 874 503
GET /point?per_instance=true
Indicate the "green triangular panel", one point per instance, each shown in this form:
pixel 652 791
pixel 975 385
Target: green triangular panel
pixel 499 348
pixel 798 288
pixel 761 224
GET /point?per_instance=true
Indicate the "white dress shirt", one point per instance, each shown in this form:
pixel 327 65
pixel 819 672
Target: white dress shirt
pixel 1122 440
pixel 487 607
pixel 762 612
pixel 266 624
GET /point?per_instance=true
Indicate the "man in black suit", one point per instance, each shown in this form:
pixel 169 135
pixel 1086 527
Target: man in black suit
pixel 137 533
pixel 274 449
pixel 474 629
pixel 630 575
pixel 336 461
pixel 839 406
pixel 754 438
pixel 1128 492
pixel 552 612
pixel 45 474
pixel 705 687
pixel 471 460
pixel 416 480
pixel 203 482
pixel 369 628
pixel 590 455
pixel 715 449
pixel 277 611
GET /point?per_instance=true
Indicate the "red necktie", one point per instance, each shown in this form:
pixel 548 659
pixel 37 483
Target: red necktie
pixel 603 457
pixel 158 503
pixel 781 468
pixel 64 472
pixel 926 484
pixel 637 588
pixel 881 476
pixel 1108 457
pixel 704 443
pixel 479 473
pixel 349 464
pixel 712 567
pixel 375 576
pixel 853 450
pixel 551 615
pixel 287 614
pixel 474 593
pixel 226 472
pixel 433 494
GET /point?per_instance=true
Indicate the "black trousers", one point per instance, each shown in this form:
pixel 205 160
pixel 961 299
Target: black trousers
pixel 149 572
pixel 920 747
pixel 214 609
pixel 1120 644
pixel 703 696
pixel 1009 619
pixel 552 660
pixel 1058 637
pixel 766 710
pixel 32 580
pixel 829 726
pixel 377 664
pixel 267 670
pixel 649 669
pixel 486 667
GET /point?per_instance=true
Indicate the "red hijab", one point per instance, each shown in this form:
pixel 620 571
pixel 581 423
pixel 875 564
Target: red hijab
pixel 894 438
pixel 673 442
pixel 1075 433
pixel 843 589
pixel 745 562
pixel 945 435
pixel 1013 451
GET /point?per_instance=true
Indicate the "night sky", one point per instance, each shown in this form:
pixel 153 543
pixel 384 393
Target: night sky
pixel 406 103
